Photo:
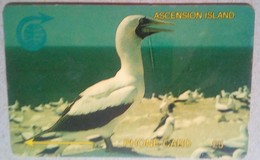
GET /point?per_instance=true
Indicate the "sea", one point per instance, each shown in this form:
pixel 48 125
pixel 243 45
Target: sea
pixel 50 73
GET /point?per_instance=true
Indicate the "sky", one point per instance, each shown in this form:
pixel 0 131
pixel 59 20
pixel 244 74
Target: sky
pixel 95 25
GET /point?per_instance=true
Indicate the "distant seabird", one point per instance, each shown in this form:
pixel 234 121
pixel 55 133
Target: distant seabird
pixel 166 125
pixel 101 107
pixel 242 95
pixel 238 92
pixel 221 107
pixel 25 108
pixel 15 106
pixel 39 108
pixel 185 96
pixel 224 94
pixel 196 95
pixel 58 103
pixel 224 108
pixel 189 96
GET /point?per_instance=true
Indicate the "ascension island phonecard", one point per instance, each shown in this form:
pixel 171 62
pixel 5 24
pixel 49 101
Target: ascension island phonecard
pixel 129 80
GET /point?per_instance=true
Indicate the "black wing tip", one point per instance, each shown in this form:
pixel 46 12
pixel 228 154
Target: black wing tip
pixel 70 106
pixel 162 122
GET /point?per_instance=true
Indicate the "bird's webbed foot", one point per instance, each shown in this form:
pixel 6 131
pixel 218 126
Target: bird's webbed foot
pixel 109 145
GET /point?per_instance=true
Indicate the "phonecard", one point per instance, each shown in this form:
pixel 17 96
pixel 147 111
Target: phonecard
pixel 129 80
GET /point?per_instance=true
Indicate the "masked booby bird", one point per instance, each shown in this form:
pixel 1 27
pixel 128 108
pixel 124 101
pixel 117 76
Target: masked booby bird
pixel 242 95
pixel 224 108
pixel 185 97
pixel 166 125
pixel 100 108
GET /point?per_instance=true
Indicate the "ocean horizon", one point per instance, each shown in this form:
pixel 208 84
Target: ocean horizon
pixel 53 72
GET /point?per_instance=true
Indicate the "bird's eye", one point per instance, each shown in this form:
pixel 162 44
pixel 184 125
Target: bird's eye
pixel 143 21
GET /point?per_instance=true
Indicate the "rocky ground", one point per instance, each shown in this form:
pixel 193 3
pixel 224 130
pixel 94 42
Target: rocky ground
pixel 197 126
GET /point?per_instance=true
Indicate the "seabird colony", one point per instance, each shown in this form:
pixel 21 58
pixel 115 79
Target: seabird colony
pixel 100 107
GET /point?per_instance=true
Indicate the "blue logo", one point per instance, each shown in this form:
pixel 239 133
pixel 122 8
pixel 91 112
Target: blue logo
pixel 30 33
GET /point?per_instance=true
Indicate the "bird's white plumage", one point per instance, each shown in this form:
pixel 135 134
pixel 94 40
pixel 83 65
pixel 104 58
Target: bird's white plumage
pixel 224 107
pixel 224 94
pixel 164 104
pixel 185 95
pixel 239 154
pixel 189 96
pixel 196 95
pixel 238 142
pixel 102 106
pixel 116 97
pixel 242 93
pixel 14 106
pixel 167 129
pixel 128 84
